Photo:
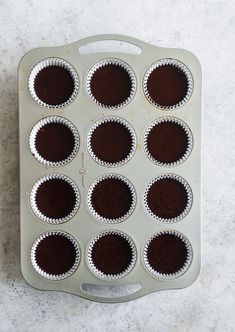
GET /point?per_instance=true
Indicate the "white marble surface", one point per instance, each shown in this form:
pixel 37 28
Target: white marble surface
pixel 206 28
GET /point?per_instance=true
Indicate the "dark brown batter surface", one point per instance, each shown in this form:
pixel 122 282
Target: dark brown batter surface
pixel 55 198
pixel 54 85
pixel 167 198
pixel 111 142
pixel 55 254
pixel 111 85
pixel 167 142
pixel 111 198
pixel 167 85
pixel 112 254
pixel 54 142
pixel 167 253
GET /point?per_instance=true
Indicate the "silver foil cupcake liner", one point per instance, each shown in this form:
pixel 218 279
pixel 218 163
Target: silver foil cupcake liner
pixel 102 275
pixel 177 64
pixel 47 63
pixel 189 198
pixel 54 276
pixel 132 191
pixel 184 127
pixel 115 62
pixel 168 276
pixel 41 123
pixel 127 126
pixel 33 202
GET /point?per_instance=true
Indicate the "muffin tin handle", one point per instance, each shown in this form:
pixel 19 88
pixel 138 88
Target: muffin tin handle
pixel 131 296
pixel 112 37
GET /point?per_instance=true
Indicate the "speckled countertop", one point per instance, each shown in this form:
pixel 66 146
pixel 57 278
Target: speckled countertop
pixel 207 29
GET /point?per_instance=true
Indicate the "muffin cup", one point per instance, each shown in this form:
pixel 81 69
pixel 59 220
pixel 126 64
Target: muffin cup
pixel 189 198
pixel 168 276
pixel 121 64
pixel 38 126
pixel 132 135
pixel 47 63
pixel 102 275
pixel 54 276
pixel 183 126
pixel 125 181
pixel 35 208
pixel 177 64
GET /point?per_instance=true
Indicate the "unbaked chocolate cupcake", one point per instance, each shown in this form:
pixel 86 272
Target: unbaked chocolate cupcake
pixel 168 141
pixel 167 254
pixel 168 84
pixel 55 255
pixel 111 141
pixel 111 83
pixel 54 198
pixel 54 141
pixel 111 198
pixel 168 198
pixel 111 255
pixel 53 83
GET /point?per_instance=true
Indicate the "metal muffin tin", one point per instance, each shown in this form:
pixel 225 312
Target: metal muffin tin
pixel 83 170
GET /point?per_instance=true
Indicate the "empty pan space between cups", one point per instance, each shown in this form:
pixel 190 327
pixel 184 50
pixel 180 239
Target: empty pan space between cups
pixel 168 84
pixel 53 83
pixel 54 198
pixel 111 83
pixel 54 141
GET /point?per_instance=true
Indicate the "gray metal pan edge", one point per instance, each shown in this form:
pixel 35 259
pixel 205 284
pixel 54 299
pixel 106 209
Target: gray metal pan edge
pixel 83 112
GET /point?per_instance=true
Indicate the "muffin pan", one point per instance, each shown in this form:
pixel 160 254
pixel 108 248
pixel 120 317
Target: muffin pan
pixel 110 168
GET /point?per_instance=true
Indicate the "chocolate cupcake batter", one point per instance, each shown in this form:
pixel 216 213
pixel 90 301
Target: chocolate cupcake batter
pixel 167 142
pixel 54 142
pixel 54 85
pixel 55 198
pixel 167 85
pixel 111 198
pixel 55 254
pixel 111 254
pixel 167 253
pixel 111 142
pixel 111 85
pixel 167 198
